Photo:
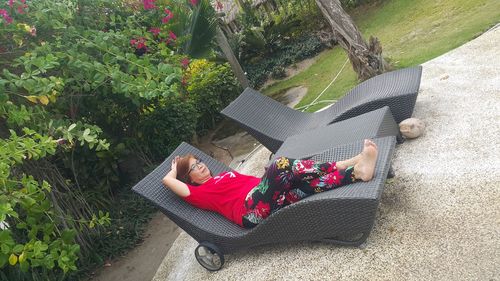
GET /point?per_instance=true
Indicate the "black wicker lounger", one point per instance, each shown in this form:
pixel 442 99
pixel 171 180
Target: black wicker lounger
pixel 374 124
pixel 271 122
pixel 344 215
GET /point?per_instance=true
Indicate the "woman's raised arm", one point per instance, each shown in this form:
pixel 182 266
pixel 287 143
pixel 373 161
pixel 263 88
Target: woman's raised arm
pixel 171 181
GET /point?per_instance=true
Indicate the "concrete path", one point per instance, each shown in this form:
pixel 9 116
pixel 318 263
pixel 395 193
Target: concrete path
pixel 439 219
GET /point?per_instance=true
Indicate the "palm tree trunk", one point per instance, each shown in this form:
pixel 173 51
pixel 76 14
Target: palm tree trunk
pixel 233 61
pixel 366 59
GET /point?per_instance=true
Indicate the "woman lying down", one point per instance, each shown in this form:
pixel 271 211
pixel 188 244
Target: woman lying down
pixel 248 200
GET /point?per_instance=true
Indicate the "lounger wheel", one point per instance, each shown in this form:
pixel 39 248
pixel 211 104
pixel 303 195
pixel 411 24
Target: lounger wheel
pixel 209 256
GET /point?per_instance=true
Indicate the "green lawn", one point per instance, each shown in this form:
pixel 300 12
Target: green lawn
pixel 411 32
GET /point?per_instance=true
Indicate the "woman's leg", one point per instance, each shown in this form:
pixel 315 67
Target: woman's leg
pixel 321 180
pixel 318 177
pixel 308 171
pixel 306 177
pixel 269 195
pixel 273 192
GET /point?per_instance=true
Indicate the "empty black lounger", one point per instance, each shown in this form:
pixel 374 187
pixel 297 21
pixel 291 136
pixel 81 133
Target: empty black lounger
pixel 271 122
pixel 344 215
pixel 374 124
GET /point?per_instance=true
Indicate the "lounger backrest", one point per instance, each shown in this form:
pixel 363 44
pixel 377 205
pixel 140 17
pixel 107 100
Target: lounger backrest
pixel 187 217
pixel 375 93
pixel 267 114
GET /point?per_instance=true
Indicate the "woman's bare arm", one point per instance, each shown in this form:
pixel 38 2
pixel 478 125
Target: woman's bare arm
pixel 171 181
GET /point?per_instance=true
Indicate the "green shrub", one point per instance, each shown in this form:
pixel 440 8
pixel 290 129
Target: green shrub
pixel 287 53
pixel 267 44
pixel 211 87
pixel 278 72
pixel 172 121
pixel 80 82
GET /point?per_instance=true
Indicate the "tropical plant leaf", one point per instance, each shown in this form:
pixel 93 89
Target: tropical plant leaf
pixel 33 99
pixel 202 27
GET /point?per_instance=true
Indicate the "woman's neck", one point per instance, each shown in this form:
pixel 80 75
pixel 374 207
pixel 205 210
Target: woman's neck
pixel 205 180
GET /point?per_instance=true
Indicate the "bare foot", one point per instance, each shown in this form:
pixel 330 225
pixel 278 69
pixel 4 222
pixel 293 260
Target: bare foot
pixel 344 164
pixel 365 168
pixel 370 142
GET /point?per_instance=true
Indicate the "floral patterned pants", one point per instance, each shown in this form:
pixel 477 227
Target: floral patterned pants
pixel 287 181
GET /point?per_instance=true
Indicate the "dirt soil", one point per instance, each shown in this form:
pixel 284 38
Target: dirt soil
pixel 141 263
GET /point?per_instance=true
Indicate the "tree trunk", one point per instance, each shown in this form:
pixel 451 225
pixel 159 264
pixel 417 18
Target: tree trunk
pixel 233 61
pixel 366 59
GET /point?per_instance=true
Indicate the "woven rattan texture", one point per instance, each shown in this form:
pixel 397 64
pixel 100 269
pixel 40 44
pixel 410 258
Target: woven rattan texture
pixel 397 89
pixel 377 123
pixel 343 212
pixel 271 122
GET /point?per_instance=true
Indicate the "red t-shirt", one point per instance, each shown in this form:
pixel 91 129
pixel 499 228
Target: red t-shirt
pixel 224 193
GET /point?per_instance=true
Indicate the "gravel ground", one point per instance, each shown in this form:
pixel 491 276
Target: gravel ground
pixel 439 219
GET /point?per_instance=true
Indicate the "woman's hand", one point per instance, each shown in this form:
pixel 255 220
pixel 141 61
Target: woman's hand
pixel 174 163
pixel 171 181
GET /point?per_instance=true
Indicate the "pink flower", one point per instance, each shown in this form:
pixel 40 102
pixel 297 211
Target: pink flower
pixel 20 9
pixel 303 166
pixel 171 39
pixel 194 2
pixel 331 168
pixel 168 17
pixel 218 5
pixel 262 209
pixel 139 43
pixel 281 200
pixel 155 30
pixel 275 195
pixel 292 197
pixel 33 31
pixel 6 16
pixel 308 164
pixel 330 179
pixel 315 182
pixel 148 4
pixel 185 62
pixel 172 35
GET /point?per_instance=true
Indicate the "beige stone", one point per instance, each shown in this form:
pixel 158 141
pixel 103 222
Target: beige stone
pixel 412 128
